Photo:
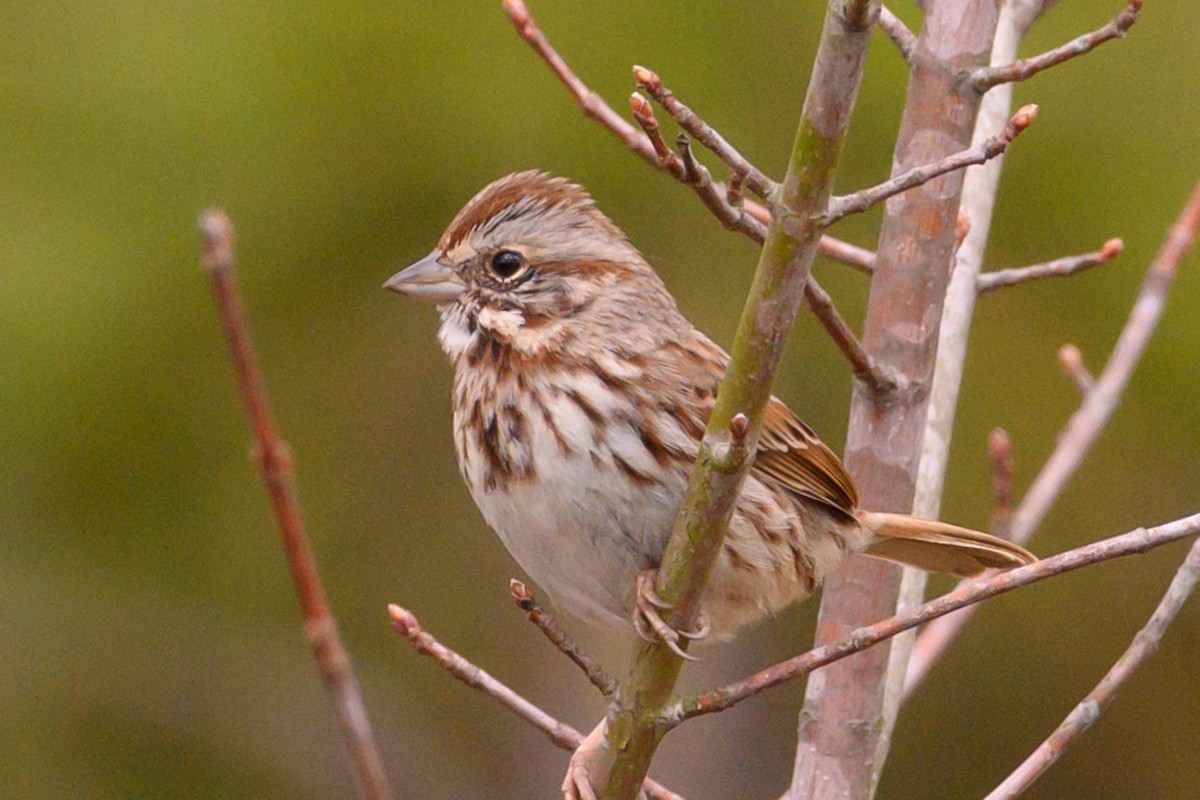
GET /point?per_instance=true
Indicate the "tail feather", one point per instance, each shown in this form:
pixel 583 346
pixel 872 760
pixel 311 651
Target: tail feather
pixel 939 547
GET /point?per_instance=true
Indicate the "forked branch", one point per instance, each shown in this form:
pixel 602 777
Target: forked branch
pixel 987 77
pixel 1084 715
pixel 274 461
pixel 704 133
pixel 904 39
pixel 1085 425
pixel 594 107
pixel 862 200
pixel 560 733
pixel 968 594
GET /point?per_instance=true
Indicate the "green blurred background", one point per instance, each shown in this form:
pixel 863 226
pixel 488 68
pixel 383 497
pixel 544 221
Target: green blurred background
pixel 149 637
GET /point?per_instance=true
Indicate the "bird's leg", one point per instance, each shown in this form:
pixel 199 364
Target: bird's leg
pixel 647 604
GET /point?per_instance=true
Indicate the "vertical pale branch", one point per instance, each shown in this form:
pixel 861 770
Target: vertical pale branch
pixel 1085 424
pixel 634 724
pixel 275 467
pixel 850 707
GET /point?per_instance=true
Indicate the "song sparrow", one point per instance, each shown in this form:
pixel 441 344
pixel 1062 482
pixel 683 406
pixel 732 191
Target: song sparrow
pixel 580 397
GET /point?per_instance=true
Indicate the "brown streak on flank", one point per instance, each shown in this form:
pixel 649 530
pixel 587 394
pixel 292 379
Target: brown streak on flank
pixel 687 422
pixel 589 410
pixel 564 446
pixel 606 377
pixel 500 469
pixel 658 449
pixel 804 567
pixel 735 558
pixel 638 477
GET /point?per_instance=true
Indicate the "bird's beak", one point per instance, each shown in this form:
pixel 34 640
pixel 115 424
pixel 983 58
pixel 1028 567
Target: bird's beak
pixel 429 279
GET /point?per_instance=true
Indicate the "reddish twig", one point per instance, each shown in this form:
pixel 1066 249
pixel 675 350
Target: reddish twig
pixel 275 468
pixel 1060 267
pixel 968 593
pixel 560 733
pixel 985 78
pixel 704 133
pixel 521 595
pixel 862 200
pixel 734 216
pixel 1003 493
pixel 904 39
pixel 1085 424
pixel 1071 361
pixel 879 380
pixel 1082 717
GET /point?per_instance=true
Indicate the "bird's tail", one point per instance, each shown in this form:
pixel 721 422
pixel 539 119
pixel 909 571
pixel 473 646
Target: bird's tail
pixel 938 547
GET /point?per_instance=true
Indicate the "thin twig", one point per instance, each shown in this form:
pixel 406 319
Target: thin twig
pixel 1058 268
pixel 1071 361
pixel 879 380
pixel 1085 425
pixel 560 733
pixel 631 731
pixel 733 216
pixel 704 133
pixel 643 114
pixel 274 461
pixel 521 595
pixel 865 198
pixel 968 593
pixel 1000 456
pixel 987 77
pixel 1084 715
pixel 714 195
pixel 851 255
pixel 904 39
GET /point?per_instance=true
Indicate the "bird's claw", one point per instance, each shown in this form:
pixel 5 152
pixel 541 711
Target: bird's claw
pixel 649 623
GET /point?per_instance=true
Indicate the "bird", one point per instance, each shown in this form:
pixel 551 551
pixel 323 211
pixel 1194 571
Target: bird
pixel 580 396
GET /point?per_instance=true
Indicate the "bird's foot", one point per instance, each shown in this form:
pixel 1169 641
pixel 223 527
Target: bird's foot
pixel 649 623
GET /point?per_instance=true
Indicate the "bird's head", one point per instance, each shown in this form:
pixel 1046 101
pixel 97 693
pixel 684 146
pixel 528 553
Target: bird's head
pixel 529 263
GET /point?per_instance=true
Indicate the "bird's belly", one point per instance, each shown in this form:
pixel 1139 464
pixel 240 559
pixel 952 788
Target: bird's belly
pixel 582 530
pixel 571 487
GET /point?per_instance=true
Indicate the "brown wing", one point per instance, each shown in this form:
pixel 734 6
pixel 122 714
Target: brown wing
pixel 793 455
pixel 789 452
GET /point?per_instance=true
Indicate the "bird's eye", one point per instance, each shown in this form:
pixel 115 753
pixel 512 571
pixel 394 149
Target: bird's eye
pixel 507 263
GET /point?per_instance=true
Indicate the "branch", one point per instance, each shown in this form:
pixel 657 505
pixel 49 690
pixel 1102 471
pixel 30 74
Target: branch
pixel 1058 268
pixel 704 133
pixel 560 733
pixel 596 675
pixel 878 379
pixel 898 32
pixel 969 593
pixel 734 217
pixel 1003 493
pixel 1084 715
pixel 851 255
pixel 1071 361
pixel 862 200
pixel 987 77
pixel 274 461
pixel 1085 424
pixel 845 726
pixel 633 732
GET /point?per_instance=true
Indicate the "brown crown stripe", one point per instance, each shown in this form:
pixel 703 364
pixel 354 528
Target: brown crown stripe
pixel 528 188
